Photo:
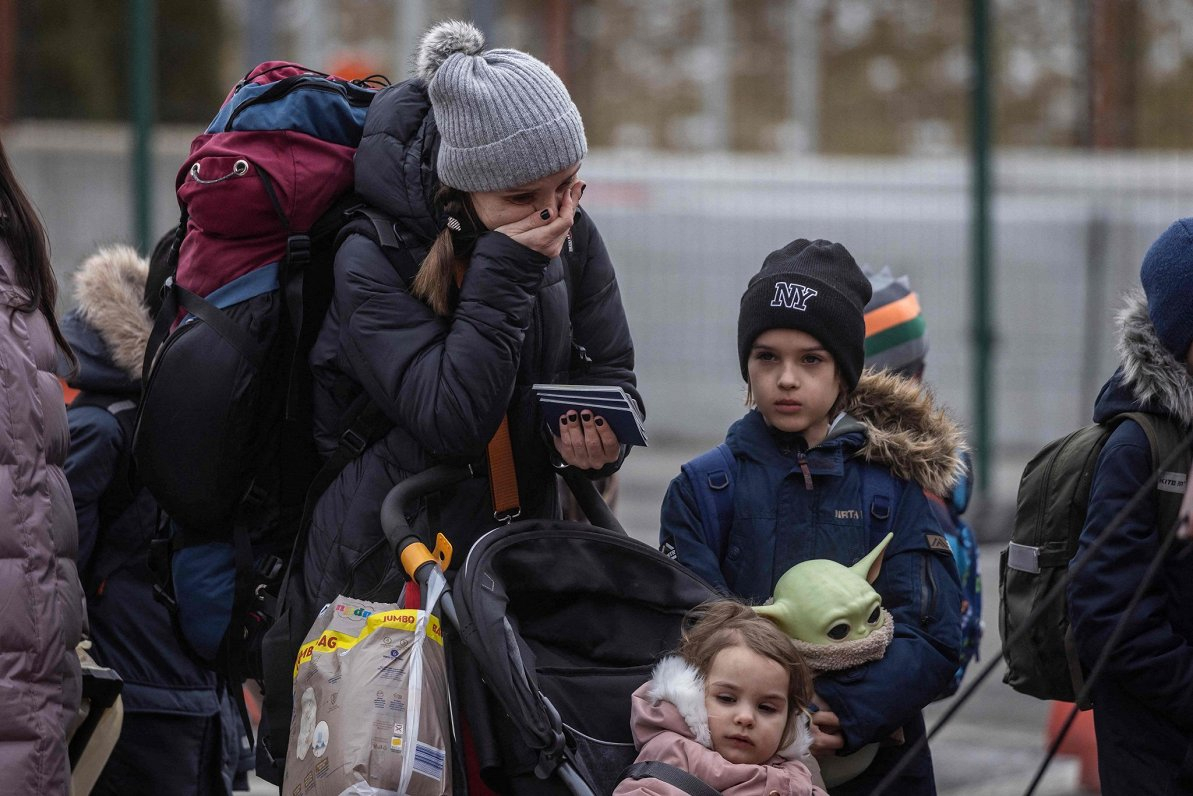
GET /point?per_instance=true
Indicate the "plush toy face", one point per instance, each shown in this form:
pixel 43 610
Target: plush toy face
pixel 822 602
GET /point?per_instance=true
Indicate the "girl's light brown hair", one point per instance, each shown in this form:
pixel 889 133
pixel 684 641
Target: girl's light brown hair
pixel 715 625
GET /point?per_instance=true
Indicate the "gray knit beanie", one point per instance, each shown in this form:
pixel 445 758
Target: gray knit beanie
pixel 504 117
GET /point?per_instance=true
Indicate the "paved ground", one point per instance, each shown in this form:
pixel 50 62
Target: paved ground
pixel 993 744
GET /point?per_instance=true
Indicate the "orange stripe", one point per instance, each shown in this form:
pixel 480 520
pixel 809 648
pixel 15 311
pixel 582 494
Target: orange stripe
pixel 68 393
pixel 893 314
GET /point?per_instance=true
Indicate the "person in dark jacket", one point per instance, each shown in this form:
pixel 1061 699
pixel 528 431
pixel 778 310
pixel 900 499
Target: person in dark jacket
pixel 1143 700
pixel 173 738
pixel 496 282
pixel 827 462
pixel 897 341
pixel 447 362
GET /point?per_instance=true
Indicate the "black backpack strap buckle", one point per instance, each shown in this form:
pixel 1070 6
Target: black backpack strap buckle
pixel 298 252
pixel 353 442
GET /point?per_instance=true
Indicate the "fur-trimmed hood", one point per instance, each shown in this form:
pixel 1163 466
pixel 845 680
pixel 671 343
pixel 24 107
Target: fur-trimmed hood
pixel 905 431
pixel 1149 376
pixel 110 325
pixel 676 687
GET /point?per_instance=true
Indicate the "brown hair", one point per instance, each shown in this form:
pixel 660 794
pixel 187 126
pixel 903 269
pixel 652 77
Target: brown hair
pixel 718 624
pixel 436 276
pixel 22 230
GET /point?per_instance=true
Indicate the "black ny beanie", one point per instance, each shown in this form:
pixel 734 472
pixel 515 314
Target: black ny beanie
pixel 816 287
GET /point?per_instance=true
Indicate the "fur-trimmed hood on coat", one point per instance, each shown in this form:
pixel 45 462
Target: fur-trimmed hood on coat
pixel 906 431
pixel 110 325
pixel 677 682
pixel 1150 373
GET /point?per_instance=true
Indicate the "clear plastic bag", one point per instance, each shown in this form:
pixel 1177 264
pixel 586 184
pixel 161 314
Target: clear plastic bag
pixel 371 712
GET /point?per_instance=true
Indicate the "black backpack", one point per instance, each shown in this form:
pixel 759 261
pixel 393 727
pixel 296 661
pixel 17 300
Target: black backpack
pixel 223 436
pixel 1049 516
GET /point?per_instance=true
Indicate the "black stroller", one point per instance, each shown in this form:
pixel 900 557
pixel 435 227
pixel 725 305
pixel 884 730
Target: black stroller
pixel 564 621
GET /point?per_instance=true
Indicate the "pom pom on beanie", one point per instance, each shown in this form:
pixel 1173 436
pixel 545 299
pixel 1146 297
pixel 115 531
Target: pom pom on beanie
pixel 504 118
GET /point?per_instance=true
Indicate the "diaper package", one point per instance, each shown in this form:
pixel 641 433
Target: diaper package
pixel 371 709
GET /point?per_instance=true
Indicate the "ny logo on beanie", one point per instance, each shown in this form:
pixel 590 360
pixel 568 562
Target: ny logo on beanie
pixel 791 295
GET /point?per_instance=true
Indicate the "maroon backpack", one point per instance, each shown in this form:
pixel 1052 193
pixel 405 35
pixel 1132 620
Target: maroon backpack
pixel 223 438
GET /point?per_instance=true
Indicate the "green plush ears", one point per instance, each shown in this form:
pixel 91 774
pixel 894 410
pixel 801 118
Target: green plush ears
pixel 871 565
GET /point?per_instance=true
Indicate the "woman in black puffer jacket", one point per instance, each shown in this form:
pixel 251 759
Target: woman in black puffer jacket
pixel 509 299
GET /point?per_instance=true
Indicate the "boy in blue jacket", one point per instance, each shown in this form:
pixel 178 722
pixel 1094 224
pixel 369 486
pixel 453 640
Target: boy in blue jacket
pixel 827 462
pixel 1143 700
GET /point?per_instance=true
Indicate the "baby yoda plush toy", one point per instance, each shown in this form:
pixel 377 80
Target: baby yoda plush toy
pixel 836 621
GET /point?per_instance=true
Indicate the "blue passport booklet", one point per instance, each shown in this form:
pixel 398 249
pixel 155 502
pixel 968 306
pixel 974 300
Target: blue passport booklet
pixel 616 406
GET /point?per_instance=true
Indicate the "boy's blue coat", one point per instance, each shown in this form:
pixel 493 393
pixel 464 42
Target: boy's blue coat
pixel 1143 701
pixel 778 523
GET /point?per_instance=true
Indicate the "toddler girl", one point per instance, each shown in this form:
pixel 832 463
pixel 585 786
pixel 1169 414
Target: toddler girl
pixel 729 710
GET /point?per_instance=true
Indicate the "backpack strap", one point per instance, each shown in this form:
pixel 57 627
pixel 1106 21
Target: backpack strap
pixel 671 775
pixel 878 500
pixel 1164 436
pixel 712 474
pixel 382 229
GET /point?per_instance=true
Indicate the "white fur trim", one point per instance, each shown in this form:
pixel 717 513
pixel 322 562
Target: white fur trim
pixel 109 289
pixel 676 681
pixel 801 744
pixel 444 40
pixel 1149 369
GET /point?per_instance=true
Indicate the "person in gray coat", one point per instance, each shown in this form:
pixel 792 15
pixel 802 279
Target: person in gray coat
pixel 41 601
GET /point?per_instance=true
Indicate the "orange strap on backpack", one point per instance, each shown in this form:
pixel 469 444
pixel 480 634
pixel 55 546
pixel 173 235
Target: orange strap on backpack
pixel 503 478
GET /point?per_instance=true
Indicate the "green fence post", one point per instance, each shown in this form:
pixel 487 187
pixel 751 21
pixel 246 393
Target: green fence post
pixel 982 300
pixel 141 97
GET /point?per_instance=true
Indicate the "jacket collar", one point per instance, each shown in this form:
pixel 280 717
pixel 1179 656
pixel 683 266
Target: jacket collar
pixel 395 162
pixel 676 681
pixel 889 420
pixel 109 290
pixel 1148 371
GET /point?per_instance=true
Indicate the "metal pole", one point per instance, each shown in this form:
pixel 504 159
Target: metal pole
pixel 141 96
pixel 982 298
pixel 410 22
pixel 803 71
pixel 484 16
pixel 261 24
pixel 8 57
pixel 716 37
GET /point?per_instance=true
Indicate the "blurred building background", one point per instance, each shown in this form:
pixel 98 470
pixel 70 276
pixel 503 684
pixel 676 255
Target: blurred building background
pixel 719 130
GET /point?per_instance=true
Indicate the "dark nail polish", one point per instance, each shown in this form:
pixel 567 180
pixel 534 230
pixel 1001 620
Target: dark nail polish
pixel 600 421
pixel 571 417
pixel 545 215
pixel 586 416
pixel 563 421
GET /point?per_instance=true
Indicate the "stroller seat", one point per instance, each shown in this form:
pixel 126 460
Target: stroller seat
pixel 565 620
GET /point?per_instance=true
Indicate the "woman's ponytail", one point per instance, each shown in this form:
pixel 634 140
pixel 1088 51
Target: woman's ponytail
pixel 437 274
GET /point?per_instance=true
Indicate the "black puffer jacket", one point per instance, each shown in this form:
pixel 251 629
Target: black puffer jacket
pixel 446 383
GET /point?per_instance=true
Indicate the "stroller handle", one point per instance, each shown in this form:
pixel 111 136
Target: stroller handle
pixel 401 498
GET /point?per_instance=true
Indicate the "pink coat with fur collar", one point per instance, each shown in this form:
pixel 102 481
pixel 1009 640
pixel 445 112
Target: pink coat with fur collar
pixel 670 724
